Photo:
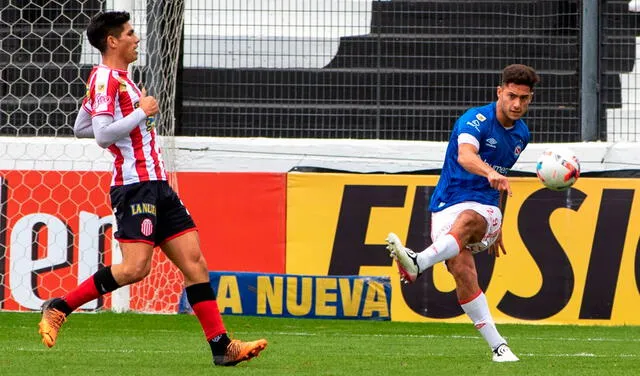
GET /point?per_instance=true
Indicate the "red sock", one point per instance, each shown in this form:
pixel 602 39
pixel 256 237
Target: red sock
pixel 209 317
pixel 84 293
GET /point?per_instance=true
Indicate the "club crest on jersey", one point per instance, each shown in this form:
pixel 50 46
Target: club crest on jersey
pixel 481 117
pixel 517 150
pixel 100 88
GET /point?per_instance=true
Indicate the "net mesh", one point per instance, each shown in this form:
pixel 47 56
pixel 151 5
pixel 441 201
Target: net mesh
pixel 56 226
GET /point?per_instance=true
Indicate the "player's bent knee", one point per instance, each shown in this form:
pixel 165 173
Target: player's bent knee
pixel 135 273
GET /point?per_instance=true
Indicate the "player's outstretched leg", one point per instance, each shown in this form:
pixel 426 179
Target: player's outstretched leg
pixel 503 353
pixel 52 320
pixel 406 259
pixel 238 351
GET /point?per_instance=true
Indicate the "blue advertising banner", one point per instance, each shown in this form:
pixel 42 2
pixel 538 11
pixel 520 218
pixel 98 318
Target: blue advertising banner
pixel 304 296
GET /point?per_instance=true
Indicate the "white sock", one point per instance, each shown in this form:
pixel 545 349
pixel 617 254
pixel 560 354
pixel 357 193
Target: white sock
pixel 478 311
pixel 444 248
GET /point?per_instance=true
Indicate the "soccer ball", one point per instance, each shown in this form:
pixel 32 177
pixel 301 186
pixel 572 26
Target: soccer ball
pixel 558 168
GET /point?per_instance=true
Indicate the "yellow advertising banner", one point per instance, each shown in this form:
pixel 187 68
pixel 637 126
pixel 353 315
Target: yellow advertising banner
pixel 573 257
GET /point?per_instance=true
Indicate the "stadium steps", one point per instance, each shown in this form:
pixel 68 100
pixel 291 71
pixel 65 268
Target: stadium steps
pixel 414 51
pixel 356 121
pixel 420 58
pixel 377 86
pixel 482 52
pixel 489 17
pixel 496 17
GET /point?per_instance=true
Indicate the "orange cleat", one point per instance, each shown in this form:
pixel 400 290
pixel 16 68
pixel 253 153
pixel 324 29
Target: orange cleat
pixel 238 351
pixel 52 320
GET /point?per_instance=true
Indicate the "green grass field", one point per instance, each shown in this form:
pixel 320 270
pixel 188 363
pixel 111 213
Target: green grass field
pixel 135 344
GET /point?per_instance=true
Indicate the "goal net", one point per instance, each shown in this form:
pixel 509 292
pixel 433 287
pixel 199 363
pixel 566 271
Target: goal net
pixel 56 222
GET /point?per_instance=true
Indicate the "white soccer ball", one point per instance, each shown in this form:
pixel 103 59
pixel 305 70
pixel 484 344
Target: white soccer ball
pixel 558 168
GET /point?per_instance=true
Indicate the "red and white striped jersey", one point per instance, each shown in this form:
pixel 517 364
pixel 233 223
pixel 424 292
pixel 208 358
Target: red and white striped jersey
pixel 137 157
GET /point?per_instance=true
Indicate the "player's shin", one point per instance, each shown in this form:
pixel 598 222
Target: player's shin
pixel 202 299
pixel 102 282
pixel 478 310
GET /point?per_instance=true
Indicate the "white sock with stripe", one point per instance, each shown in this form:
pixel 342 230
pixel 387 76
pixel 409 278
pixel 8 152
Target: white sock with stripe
pixel 444 248
pixel 478 310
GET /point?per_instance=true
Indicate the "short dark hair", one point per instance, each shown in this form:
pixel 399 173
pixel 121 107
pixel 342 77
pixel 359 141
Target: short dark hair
pixel 520 74
pixel 104 24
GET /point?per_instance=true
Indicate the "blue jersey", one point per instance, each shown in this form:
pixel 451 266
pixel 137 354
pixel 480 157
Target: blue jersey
pixel 499 147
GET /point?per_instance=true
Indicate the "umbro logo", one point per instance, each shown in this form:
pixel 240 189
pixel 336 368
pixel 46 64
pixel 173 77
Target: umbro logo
pixel 492 143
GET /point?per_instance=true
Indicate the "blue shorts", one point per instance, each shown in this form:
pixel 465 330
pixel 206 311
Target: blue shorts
pixel 149 212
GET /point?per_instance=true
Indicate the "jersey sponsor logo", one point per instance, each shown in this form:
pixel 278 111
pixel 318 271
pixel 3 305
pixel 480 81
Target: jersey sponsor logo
pixel 146 227
pixel 491 142
pixel 143 208
pixel 501 169
pixel 102 100
pixel 481 117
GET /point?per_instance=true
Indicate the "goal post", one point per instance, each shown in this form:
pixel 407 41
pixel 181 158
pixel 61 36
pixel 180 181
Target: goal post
pixel 56 222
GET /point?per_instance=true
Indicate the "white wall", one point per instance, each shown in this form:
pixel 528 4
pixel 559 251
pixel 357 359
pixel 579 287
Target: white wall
pixel 281 155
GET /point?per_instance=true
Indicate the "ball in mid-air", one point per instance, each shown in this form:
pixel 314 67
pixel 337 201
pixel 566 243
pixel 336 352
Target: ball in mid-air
pixel 558 168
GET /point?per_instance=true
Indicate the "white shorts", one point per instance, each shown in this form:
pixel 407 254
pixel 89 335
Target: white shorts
pixel 442 221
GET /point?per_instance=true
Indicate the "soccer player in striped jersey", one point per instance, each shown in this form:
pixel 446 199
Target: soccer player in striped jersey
pixel 148 212
pixel 485 143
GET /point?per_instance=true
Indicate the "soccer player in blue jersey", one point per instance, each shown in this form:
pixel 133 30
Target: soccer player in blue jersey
pixel 485 143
